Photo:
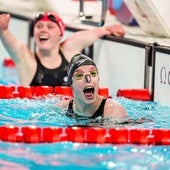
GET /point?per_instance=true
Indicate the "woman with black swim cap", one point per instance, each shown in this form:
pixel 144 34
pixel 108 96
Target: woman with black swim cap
pixel 83 77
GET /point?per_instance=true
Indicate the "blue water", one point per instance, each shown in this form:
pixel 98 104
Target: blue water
pixel 83 156
pixel 67 155
pixel 43 112
pixel 8 76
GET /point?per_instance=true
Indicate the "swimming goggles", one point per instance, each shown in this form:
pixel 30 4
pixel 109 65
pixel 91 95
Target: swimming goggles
pixel 80 76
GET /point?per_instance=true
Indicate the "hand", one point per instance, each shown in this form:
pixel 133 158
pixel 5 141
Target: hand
pixel 4 21
pixel 116 30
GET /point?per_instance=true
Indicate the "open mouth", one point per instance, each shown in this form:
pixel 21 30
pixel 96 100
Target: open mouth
pixel 43 38
pixel 89 91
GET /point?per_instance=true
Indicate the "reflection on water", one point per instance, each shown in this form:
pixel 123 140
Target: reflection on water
pixel 75 155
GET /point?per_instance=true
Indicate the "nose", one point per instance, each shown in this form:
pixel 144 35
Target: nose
pixel 87 78
pixel 43 28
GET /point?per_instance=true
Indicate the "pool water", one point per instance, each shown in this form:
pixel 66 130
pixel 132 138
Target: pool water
pixel 83 156
pixel 69 155
pixel 8 76
pixel 43 112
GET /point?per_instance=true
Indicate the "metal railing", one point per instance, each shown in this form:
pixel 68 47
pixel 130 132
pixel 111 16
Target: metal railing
pixel 88 19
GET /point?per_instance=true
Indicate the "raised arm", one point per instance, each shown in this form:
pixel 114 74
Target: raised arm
pixel 81 39
pixel 14 47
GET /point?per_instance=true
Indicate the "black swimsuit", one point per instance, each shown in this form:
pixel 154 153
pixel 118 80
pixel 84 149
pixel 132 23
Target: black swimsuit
pixel 99 111
pixel 50 77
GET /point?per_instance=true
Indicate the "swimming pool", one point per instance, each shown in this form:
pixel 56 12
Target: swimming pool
pixel 41 112
pixel 68 155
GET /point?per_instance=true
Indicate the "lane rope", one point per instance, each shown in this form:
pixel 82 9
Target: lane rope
pixel 8 62
pixel 134 94
pixel 7 92
pixel 32 134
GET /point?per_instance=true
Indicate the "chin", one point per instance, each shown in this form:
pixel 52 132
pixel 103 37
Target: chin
pixel 89 100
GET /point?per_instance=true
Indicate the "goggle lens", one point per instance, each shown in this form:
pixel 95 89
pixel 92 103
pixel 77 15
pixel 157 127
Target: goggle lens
pixel 80 76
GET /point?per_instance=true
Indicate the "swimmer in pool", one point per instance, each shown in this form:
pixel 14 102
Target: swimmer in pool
pixel 83 77
pixel 47 65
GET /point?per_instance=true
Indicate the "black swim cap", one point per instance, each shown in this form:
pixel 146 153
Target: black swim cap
pixel 77 61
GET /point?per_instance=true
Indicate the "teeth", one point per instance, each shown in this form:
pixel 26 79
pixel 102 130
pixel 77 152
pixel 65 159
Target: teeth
pixel 43 37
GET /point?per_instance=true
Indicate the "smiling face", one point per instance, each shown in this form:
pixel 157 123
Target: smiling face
pixel 46 35
pixel 85 84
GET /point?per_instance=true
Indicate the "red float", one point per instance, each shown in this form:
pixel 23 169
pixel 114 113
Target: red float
pixel 33 134
pixel 135 94
pixel 8 62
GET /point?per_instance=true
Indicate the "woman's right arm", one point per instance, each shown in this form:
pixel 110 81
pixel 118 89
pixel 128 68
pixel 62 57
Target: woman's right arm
pixel 15 48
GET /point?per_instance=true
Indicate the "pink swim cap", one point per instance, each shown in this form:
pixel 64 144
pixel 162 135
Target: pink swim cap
pixel 51 16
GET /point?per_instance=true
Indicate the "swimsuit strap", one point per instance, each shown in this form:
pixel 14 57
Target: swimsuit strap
pixel 37 59
pixel 62 56
pixel 70 111
pixel 99 111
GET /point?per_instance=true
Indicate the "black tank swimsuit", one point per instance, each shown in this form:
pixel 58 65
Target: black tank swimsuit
pixel 50 77
pixel 99 111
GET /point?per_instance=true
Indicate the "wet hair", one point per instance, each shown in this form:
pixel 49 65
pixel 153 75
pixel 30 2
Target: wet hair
pixel 77 61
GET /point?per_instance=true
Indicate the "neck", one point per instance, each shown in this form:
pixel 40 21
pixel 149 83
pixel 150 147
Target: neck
pixel 47 53
pixel 49 59
pixel 87 109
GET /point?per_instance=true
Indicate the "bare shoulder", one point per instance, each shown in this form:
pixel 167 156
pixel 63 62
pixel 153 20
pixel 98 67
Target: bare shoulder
pixel 114 109
pixel 69 48
pixel 63 104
